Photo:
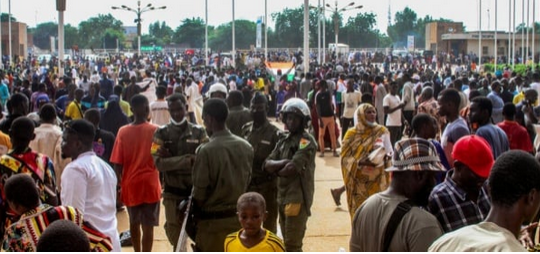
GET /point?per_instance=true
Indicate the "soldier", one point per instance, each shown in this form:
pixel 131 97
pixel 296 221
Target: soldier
pixel 238 114
pixel 293 161
pixel 263 136
pixel 221 174
pixel 174 154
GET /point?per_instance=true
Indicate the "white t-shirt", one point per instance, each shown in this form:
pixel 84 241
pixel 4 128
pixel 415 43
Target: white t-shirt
pixel 408 94
pixel 89 184
pixel 85 86
pixel 481 237
pixel 94 78
pixel 159 113
pixel 351 100
pixel 150 93
pixel 192 94
pixel 232 85
pixel 536 86
pixel 394 118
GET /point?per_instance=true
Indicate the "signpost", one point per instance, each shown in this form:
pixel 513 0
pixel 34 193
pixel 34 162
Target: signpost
pixel 151 48
pixel 410 43
pixel 258 40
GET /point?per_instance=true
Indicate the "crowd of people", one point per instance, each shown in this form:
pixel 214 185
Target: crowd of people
pixel 428 155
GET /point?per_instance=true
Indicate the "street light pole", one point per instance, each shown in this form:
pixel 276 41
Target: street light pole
pixel 496 47
pixel 206 33
pixel 514 37
pixel 335 13
pixel 508 57
pixel 9 28
pixel 479 34
pixel 306 36
pixel 138 12
pixel 319 32
pixel 528 25
pixel 533 35
pixel 61 7
pixel 233 38
pixel 324 33
pixel 1 52
pixel 265 30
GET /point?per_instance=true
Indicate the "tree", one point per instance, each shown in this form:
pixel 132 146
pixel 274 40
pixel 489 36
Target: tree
pixel 71 36
pixel 42 34
pixel 110 36
pixel 405 23
pixel 93 30
pixel 360 31
pixel 523 27
pixel 161 34
pixel 191 32
pixel 4 17
pixel 221 38
pixel 289 27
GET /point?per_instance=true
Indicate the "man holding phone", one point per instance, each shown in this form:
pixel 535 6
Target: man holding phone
pixel 173 151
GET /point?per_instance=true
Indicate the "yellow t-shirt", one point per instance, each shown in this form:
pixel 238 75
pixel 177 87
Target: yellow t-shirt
pixel 73 111
pixel 124 105
pixel 270 243
pixel 259 86
pixel 5 143
pixel 520 97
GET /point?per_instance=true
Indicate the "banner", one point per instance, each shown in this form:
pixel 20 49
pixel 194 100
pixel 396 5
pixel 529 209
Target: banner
pixel 258 41
pixel 410 43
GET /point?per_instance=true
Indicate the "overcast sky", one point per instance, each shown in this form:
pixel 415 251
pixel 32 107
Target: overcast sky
pixel 220 11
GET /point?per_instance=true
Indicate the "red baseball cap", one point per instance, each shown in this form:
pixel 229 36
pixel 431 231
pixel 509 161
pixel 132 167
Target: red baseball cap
pixel 475 152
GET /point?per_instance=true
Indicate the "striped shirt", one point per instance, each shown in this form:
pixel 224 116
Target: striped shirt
pixel 23 235
pixel 453 209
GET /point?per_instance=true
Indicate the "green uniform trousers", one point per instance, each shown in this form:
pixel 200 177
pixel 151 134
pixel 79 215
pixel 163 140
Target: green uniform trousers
pixel 211 234
pixel 173 218
pixel 269 191
pixel 293 228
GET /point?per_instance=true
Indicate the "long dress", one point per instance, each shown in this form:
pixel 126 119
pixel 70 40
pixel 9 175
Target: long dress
pixel 362 181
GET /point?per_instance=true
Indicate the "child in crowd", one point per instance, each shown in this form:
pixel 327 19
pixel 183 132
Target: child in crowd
pixel 159 109
pixel 252 237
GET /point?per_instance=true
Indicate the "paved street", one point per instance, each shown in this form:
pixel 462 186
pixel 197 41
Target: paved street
pixel 328 227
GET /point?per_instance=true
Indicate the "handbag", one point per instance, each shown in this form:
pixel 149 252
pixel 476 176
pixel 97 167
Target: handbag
pixel 377 156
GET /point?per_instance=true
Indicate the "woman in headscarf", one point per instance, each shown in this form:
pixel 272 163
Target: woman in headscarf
pixel 113 117
pixel 362 176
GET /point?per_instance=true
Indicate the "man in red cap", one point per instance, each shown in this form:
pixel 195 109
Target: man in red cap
pixel 515 200
pixel 462 198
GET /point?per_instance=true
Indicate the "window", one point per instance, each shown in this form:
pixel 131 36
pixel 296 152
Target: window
pixel 484 50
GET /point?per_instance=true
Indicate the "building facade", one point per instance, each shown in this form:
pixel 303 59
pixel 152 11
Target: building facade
pixel 19 39
pixel 434 32
pixel 467 43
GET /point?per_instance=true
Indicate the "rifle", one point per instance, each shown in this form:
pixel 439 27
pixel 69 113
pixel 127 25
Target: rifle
pixel 181 245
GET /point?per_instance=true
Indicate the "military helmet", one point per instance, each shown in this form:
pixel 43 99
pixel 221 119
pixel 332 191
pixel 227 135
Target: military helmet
pixel 298 107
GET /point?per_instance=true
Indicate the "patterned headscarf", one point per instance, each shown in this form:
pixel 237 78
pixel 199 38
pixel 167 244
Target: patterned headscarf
pixel 360 120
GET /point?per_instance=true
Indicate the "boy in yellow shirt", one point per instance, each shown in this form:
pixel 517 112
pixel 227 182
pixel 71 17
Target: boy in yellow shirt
pixel 251 210
pixel 74 111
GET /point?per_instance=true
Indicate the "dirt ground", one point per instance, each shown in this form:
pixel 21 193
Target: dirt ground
pixel 329 226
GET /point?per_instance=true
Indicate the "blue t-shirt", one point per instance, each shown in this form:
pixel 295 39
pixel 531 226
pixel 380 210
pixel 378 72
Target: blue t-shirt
pixel 454 131
pixel 62 102
pixel 41 99
pixel 495 137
